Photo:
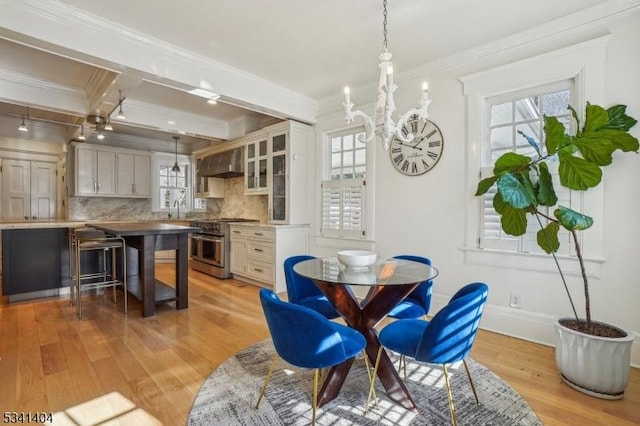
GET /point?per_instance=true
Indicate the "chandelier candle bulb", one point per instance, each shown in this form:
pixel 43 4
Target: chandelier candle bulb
pixel 347 95
pixel 389 75
pixel 425 90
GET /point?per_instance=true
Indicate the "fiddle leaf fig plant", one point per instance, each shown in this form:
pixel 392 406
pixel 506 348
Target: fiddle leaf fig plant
pixel 525 187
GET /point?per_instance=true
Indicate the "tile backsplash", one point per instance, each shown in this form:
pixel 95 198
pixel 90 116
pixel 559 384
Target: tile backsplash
pixel 234 204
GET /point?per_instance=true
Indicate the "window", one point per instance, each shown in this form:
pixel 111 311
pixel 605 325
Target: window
pixel 343 195
pixel 581 69
pixel 173 191
pixel 508 118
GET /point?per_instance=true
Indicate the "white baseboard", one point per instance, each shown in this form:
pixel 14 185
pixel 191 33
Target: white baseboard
pixel 524 325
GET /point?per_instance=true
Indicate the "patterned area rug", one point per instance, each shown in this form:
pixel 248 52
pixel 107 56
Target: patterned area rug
pixel 228 396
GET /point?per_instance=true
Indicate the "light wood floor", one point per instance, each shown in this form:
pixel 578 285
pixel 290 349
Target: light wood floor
pixel 149 370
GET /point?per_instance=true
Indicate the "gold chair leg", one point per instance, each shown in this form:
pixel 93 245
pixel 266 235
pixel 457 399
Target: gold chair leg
pixel 314 395
pixel 452 409
pixel 373 381
pixel 372 377
pixel 403 364
pixel 266 380
pixel 473 388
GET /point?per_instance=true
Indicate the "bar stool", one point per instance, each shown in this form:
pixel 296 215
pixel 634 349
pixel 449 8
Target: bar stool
pixel 85 240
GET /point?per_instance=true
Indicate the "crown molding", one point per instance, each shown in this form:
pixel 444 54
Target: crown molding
pixel 45 24
pixel 24 89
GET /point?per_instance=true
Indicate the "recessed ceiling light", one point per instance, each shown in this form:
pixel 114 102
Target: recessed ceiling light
pixel 182 132
pixel 171 122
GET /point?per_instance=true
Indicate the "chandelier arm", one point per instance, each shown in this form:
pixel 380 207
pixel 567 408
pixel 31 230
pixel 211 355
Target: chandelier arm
pixel 369 125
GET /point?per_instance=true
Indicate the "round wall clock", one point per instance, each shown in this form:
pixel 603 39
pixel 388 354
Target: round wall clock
pixel 417 157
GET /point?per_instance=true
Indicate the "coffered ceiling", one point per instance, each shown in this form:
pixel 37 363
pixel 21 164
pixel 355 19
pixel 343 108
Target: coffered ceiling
pixel 65 60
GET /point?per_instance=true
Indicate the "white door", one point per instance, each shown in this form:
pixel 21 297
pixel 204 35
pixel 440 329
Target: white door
pixel 106 172
pixel 28 190
pixel 142 170
pixel 43 191
pixel 86 170
pixel 16 190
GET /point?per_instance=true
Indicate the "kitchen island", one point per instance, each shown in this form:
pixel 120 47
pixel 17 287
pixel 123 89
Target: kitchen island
pixel 146 238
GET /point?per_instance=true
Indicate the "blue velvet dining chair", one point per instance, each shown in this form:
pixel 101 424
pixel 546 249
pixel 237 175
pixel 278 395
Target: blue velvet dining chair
pixel 445 339
pixel 417 303
pixel 302 290
pixel 306 339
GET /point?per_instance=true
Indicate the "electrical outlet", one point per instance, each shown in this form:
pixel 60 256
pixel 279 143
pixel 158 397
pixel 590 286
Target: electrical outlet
pixel 515 301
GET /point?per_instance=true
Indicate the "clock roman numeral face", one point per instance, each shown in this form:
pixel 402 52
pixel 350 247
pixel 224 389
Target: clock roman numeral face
pixel 422 153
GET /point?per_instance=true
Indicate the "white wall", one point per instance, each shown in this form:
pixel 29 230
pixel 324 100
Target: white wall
pixel 426 215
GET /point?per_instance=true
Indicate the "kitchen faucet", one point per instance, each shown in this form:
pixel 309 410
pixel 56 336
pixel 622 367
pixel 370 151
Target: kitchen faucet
pixel 176 204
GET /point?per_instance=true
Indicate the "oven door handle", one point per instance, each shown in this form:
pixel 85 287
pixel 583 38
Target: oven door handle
pixel 211 238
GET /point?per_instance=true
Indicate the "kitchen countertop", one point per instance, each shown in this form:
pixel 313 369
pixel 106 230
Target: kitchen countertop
pixel 77 223
pixel 266 225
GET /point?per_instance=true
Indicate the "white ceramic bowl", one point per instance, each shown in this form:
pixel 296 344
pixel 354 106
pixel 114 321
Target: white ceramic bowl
pixel 356 258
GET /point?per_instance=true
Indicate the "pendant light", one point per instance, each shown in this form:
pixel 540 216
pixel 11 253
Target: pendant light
pixel 176 167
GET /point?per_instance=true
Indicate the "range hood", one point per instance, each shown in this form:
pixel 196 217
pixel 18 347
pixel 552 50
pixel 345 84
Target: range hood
pixel 223 164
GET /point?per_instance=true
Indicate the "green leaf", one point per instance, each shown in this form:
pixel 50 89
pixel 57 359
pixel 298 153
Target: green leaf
pixel 554 134
pixel 578 173
pixel 595 149
pixel 499 203
pixel 619 120
pixel 546 194
pixel 514 192
pixel 572 220
pixel 548 238
pixel 510 162
pixel 513 221
pixel 596 117
pixel 574 114
pixel 485 184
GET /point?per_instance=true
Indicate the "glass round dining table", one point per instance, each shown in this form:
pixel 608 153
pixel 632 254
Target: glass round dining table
pixel 389 282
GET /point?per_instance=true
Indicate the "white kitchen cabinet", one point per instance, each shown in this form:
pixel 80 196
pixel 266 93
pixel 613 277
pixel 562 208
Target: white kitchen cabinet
pixel 134 175
pixel 28 190
pixel 256 164
pixel 258 252
pixel 95 172
pixel 280 152
pixel 103 171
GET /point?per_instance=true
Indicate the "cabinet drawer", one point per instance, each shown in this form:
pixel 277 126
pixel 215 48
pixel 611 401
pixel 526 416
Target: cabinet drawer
pixel 262 251
pixel 238 232
pixel 261 271
pixel 266 234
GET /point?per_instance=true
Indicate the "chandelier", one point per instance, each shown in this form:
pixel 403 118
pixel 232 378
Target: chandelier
pixel 382 123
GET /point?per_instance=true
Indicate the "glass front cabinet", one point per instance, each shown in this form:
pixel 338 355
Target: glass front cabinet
pixel 285 170
pixel 256 166
pixel 278 163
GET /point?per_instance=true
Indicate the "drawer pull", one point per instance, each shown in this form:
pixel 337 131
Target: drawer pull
pixel 258 250
pixel 236 232
pixel 258 270
pixel 259 234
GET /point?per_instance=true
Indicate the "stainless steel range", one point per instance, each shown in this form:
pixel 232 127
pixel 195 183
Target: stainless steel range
pixel 210 248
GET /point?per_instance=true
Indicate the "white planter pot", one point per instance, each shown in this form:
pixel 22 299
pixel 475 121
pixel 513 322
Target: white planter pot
pixel 597 366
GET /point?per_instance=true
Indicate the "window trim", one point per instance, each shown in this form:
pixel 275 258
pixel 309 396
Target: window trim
pixel 368 190
pixel 163 158
pixel 576 63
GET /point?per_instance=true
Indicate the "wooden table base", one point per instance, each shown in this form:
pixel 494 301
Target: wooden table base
pixel 380 300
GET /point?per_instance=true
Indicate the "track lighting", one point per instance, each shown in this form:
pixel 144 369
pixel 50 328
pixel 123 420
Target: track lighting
pixel 108 126
pixel 120 115
pixel 176 167
pixel 100 136
pixel 82 137
pixel 23 127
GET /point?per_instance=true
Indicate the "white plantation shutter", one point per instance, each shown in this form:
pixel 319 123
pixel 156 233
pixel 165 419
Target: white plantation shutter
pixel 491 233
pixel 343 207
